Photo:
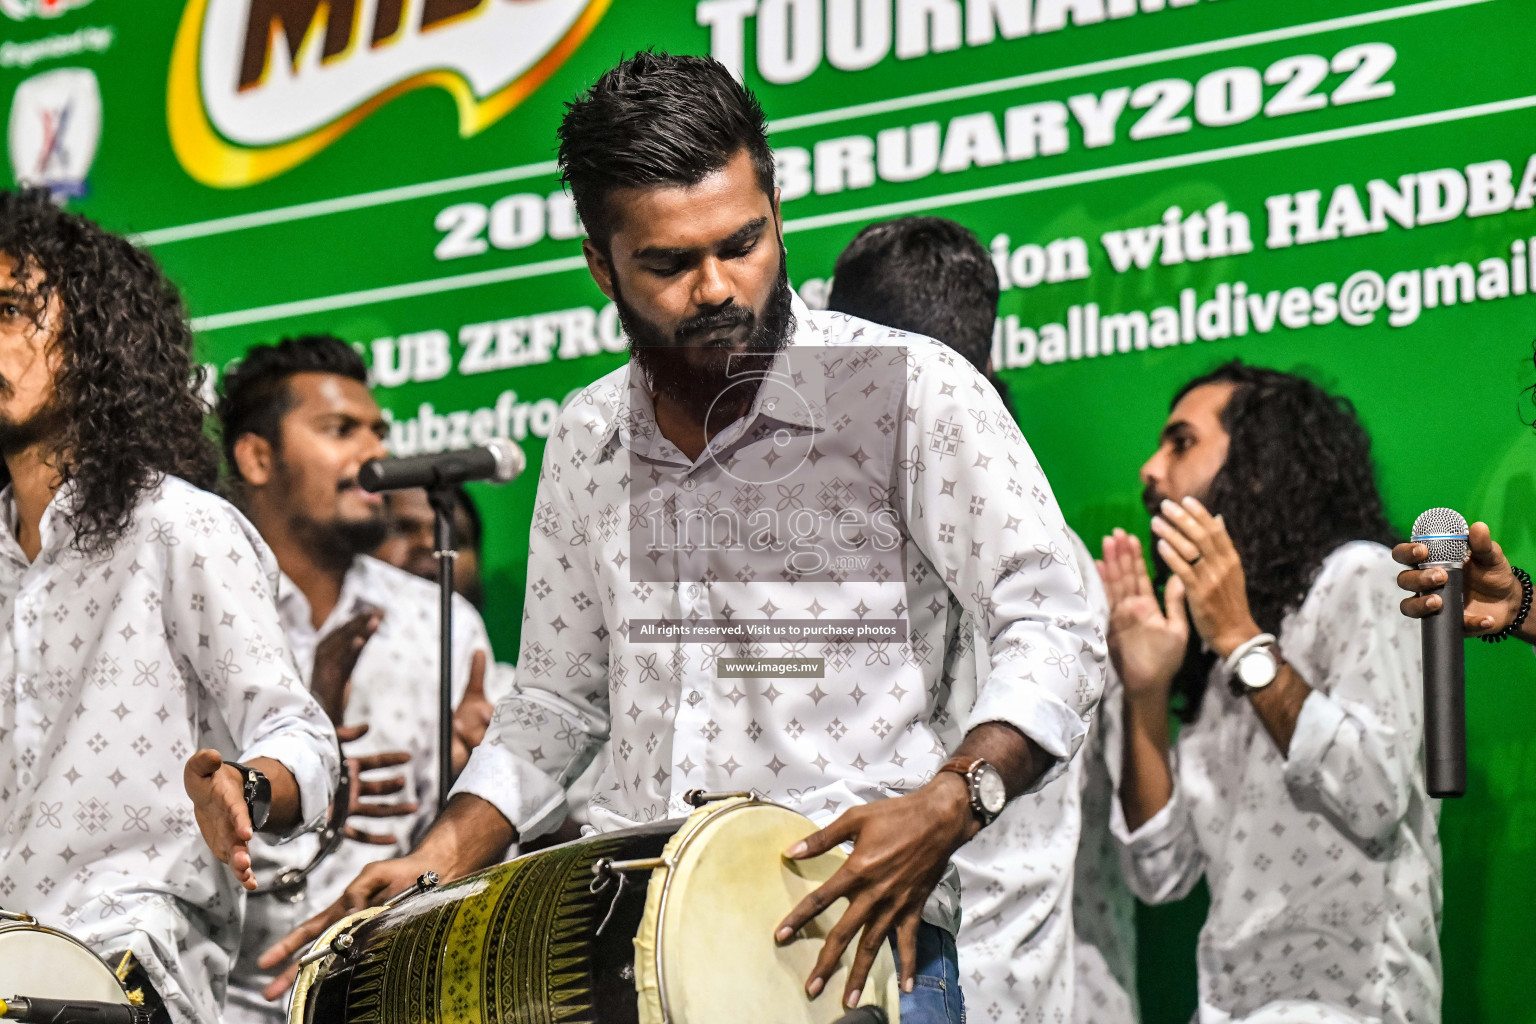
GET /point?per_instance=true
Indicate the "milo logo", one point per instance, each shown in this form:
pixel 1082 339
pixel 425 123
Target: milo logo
pixel 259 86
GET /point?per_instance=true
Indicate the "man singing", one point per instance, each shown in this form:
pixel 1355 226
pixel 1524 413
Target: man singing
pixel 298 423
pixel 757 462
pixel 1297 788
pixel 1041 932
pixel 142 651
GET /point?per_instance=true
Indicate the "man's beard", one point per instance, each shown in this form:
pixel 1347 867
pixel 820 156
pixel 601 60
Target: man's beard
pixel 664 361
pixel 338 542
pixel 43 426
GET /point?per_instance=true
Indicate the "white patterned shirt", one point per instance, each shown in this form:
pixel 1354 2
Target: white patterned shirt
pixel 394 690
pixel 115 670
pixel 1323 865
pixel 876 482
pixel 1103 909
pixel 1048 931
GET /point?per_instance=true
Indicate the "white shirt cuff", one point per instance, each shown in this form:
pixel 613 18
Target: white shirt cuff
pixel 315 771
pixel 1158 831
pixel 1035 712
pixel 1319 722
pixel 530 800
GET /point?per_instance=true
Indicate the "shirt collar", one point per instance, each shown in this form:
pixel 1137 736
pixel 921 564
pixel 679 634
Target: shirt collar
pixel 794 394
pixel 53 529
pixel 294 606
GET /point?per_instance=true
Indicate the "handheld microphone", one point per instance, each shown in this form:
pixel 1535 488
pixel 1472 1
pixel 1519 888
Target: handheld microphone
pixel 71 1011
pixel 498 461
pixel 1444 532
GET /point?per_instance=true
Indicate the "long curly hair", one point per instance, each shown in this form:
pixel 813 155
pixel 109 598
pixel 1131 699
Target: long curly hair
pixel 128 390
pixel 1297 483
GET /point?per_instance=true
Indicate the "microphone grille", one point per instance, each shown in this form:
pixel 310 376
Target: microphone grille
pixel 510 460
pixel 1444 532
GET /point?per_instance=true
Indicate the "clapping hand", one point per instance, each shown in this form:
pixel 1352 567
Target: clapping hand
pixel 374 788
pixel 1146 644
pixel 335 658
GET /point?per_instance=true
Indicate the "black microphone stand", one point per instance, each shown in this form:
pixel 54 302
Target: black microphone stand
pixel 442 501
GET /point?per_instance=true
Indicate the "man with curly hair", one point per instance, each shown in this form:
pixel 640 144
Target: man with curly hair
pixel 140 651
pixel 1296 785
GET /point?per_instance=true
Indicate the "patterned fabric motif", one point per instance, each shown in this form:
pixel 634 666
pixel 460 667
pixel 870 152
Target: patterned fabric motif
pixel 115 670
pixel 1019 958
pixel 1324 866
pixel 394 690
pixel 923 444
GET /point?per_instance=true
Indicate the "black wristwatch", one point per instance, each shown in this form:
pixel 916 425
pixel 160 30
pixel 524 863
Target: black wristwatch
pixel 258 794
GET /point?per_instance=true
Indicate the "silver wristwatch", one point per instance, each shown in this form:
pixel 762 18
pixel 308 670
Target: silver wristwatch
pixel 1253 665
pixel 989 794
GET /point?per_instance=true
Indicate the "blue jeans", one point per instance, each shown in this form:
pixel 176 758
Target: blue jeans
pixel 935 998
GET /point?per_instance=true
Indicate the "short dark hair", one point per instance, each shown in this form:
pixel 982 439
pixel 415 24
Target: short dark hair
pixel 1297 483
pixel 128 388
pixel 254 396
pixel 926 275
pixel 657 119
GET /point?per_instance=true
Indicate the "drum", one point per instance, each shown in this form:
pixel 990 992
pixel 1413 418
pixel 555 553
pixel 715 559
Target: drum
pixel 46 964
pixel 670 923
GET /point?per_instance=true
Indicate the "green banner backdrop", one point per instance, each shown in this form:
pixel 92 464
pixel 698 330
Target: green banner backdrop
pixel 1344 187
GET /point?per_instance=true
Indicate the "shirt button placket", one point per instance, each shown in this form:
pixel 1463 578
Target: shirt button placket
pixel 29 733
pixel 688 749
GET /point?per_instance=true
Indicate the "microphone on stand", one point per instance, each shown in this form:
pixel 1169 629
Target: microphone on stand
pixel 1444 532
pixel 498 461
pixel 70 1011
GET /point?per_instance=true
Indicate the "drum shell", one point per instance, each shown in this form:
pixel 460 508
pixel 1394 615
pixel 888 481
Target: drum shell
pixel 518 943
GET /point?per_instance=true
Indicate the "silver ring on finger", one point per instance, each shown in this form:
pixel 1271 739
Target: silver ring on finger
pixel 1196 559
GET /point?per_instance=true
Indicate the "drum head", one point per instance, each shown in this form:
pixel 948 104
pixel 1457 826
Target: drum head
pixel 45 964
pixel 705 951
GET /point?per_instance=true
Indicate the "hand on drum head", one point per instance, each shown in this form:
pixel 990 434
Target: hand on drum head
pixel 374 884
pixel 901 848
pixel 218 800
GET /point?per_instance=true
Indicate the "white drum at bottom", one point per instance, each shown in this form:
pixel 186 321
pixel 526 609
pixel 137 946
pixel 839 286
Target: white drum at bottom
pixel 42 963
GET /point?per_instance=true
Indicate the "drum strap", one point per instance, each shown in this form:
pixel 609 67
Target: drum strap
pixel 290 883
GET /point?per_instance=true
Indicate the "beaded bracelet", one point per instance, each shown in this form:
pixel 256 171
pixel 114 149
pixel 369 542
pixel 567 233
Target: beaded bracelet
pixel 1525 608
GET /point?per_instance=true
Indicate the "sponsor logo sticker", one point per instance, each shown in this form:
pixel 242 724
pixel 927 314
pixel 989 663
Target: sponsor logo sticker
pixel 55 129
pixel 21 10
pixel 257 87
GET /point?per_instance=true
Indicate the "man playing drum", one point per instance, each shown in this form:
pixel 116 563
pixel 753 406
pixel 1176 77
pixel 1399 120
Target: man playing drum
pixel 751 551
pixel 141 645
